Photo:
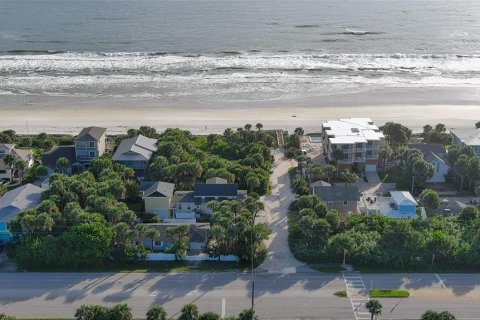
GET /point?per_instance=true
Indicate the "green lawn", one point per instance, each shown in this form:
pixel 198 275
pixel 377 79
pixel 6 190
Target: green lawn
pixel 341 294
pixel 384 293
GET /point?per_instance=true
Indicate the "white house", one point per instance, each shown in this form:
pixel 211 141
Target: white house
pixel 467 137
pixel 21 154
pixel 136 153
pixel 358 138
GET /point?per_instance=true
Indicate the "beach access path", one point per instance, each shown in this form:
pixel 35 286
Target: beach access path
pixel 279 258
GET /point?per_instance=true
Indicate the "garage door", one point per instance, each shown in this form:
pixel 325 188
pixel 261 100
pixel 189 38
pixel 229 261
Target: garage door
pixel 371 167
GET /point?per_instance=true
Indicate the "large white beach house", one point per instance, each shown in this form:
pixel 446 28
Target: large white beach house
pixel 359 140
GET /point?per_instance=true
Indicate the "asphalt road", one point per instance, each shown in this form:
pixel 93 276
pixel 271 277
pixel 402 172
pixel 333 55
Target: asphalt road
pixel 278 296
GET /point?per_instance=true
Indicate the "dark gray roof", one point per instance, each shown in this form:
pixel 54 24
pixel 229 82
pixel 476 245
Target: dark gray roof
pixel 215 190
pixel 160 189
pixel 49 159
pixel 337 193
pixel 426 148
pixel 90 133
pixel 22 198
pixel 182 197
pixel 144 185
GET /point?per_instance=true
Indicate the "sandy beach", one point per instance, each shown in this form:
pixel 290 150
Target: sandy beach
pixel 68 114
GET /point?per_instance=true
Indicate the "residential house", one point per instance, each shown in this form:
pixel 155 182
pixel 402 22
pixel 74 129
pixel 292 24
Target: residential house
pixel 158 197
pixel 358 138
pixel 49 159
pixel 400 204
pixel 13 202
pixel 136 153
pixel 467 137
pixel 192 204
pixel 90 143
pixel 25 155
pixel 436 155
pixel 342 198
pixel 197 238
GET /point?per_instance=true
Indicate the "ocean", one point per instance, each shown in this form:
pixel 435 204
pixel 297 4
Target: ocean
pixel 235 50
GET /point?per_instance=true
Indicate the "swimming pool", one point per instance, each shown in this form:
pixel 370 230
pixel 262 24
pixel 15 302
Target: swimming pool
pixel 315 138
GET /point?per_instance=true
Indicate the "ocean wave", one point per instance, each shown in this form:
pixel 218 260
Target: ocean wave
pixel 301 26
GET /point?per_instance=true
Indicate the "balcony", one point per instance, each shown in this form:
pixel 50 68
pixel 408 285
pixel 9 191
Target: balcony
pixel 372 157
pixel 362 149
pixel 373 147
pixel 346 161
pixel 359 159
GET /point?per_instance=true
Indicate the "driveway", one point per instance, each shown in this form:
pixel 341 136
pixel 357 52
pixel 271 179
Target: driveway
pixel 279 258
pixel 374 186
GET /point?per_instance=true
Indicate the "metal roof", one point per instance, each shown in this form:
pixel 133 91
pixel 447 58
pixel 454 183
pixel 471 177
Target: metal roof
pixel 91 133
pixel 22 198
pixel 403 198
pixel 136 148
pixel 337 193
pixel 215 190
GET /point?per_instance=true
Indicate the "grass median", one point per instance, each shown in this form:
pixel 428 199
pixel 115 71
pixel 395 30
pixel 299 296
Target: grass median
pixel 385 293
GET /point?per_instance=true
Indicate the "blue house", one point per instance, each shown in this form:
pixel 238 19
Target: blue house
pixel 402 205
pixel 13 202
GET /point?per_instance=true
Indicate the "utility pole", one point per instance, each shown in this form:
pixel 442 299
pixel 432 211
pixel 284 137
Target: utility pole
pixel 413 183
pixel 252 269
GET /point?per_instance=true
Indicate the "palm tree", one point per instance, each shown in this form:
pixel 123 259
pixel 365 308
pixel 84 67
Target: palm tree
pixel 189 312
pixel 385 153
pixel 140 230
pixel 9 161
pixel 156 312
pixel 248 127
pixel 338 155
pixel 374 307
pixel 20 166
pixel 248 314
pixel 259 126
pixel 45 222
pixel 62 164
pixel 329 170
pixel 152 234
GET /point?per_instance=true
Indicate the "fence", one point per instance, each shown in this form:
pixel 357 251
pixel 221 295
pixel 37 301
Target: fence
pixel 198 257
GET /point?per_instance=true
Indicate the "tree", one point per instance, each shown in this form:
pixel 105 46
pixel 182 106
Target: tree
pixel 10 160
pixel 338 155
pixel 5 317
pixel 259 126
pixel 430 200
pixel 348 177
pixel 3 189
pixel 62 165
pixel 329 170
pixel 152 234
pixel 248 314
pixel 87 244
pixel 41 171
pixel 374 307
pixel 433 315
pixel 461 168
pixel 20 166
pixel 396 135
pixel 179 236
pixel 477 125
pixel 248 127
pixel 156 312
pixel 385 153
pixel 469 214
pixel 121 312
pixel 189 312
pixel 92 312
pixel 209 316
pixel 299 131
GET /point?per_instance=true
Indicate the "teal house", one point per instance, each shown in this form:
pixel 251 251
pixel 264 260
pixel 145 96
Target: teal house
pixel 15 201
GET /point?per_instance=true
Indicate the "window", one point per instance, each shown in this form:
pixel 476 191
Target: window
pixel 3 171
pixel 345 202
pixel 179 206
pixel 358 145
pixel 91 144
pixel 92 154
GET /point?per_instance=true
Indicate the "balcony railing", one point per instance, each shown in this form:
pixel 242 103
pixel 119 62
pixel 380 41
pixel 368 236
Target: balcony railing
pixel 362 149
pixel 346 161
pixel 360 159
pixel 372 157
pixel 373 147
